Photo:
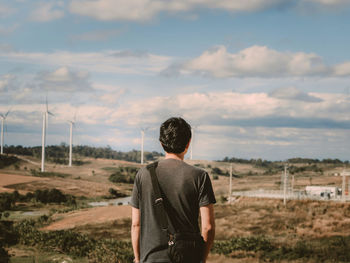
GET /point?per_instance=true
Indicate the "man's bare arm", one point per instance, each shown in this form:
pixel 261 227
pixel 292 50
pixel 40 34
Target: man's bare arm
pixel 135 232
pixel 208 228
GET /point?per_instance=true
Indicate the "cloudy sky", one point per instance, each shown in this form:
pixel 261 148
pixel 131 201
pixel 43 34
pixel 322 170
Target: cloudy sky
pixel 256 78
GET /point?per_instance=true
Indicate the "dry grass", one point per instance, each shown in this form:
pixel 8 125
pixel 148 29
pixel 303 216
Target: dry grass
pixel 118 229
pixel 298 220
pixel 72 186
pixel 89 180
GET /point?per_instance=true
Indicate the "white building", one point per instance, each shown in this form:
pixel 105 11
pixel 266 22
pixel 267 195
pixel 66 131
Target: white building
pixel 323 191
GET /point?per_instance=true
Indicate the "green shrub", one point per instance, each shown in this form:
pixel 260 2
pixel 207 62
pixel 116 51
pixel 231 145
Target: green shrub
pixel 53 196
pixel 259 243
pixel 6 160
pixel 75 244
pixel 8 236
pixel 111 252
pixel 4 256
pixel 123 175
pixel 8 200
pixel 48 174
pixel 217 170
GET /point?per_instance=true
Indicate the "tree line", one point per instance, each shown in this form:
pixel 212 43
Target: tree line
pixel 60 153
pixel 264 163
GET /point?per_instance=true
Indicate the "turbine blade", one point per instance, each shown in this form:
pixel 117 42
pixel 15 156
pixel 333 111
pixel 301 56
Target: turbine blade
pixel 75 115
pixel 7 113
pixel 47 104
pixel 50 113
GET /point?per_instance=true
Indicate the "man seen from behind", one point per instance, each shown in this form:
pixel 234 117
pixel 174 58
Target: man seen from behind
pixel 186 192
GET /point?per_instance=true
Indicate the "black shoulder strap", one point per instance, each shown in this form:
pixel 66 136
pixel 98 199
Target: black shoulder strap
pixel 158 202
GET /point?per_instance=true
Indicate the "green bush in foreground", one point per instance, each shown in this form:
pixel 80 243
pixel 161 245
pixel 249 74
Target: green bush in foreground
pixel 4 256
pixel 74 244
pixel 326 249
pixel 253 243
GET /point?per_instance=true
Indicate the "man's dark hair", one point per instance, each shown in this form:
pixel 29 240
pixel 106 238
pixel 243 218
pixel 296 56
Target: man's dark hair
pixel 175 133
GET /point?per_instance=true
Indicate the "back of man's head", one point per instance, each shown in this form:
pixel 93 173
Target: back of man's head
pixel 175 134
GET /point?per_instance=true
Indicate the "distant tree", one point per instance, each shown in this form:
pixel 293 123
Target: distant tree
pixel 217 170
pixel 59 153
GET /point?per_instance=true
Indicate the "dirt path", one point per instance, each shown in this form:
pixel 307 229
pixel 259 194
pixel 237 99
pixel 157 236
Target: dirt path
pixel 89 216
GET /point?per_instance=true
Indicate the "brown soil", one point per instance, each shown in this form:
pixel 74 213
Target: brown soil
pixel 94 215
pixel 75 187
pixel 6 180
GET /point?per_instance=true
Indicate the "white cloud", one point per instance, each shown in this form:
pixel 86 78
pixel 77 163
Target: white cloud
pixel 105 61
pixel 6 82
pixel 112 98
pixel 227 123
pixel 64 79
pixel 292 93
pixel 143 10
pixel 259 61
pixel 230 108
pixel 328 2
pixel 342 69
pixel 23 94
pixel 48 11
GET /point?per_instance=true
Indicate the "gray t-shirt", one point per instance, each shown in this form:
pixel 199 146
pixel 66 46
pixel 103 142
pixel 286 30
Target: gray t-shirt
pixel 184 189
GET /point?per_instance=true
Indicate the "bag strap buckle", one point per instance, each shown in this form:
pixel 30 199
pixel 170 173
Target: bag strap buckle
pixel 158 201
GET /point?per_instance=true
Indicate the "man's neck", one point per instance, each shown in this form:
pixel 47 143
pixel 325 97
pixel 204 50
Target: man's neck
pixel 179 156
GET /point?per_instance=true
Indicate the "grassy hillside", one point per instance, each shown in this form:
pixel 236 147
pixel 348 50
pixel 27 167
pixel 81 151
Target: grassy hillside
pixel 248 230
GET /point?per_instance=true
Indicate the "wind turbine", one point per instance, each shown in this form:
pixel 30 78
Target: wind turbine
pixel 142 141
pixel 192 141
pixel 43 141
pixel 71 124
pixel 3 118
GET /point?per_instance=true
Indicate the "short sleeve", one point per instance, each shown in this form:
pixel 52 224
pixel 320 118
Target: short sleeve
pixel 206 193
pixel 135 196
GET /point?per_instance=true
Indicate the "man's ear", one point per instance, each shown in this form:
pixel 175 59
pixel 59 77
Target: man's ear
pixel 188 144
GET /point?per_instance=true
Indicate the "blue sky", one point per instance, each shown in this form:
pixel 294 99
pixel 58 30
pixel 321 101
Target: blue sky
pixel 257 79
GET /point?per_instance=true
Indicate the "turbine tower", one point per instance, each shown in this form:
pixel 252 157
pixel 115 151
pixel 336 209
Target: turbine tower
pixel 3 118
pixel 143 130
pixel 43 141
pixel 192 141
pixel 71 124
pixel 142 141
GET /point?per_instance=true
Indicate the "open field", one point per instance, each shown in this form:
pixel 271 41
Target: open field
pixel 89 180
pixel 284 227
pixel 245 217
